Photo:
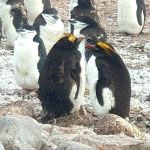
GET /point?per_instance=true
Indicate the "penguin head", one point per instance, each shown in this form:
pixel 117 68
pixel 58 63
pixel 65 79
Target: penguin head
pixel 50 15
pixel 19 16
pixel 26 31
pixel 100 47
pixel 84 4
pixel 69 41
pixel 82 22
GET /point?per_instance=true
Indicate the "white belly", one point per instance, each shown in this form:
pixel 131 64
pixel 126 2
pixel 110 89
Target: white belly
pixel 92 77
pixel 25 66
pixel 34 8
pixel 51 34
pixel 127 18
pixel 7 23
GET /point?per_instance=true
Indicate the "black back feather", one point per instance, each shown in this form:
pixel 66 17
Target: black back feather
pixel 60 72
pixel 140 9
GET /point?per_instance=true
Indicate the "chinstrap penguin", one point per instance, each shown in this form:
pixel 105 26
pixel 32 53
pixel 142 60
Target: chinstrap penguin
pixel 29 56
pixel 108 80
pixel 78 8
pixel 88 27
pixel 12 16
pixel 62 79
pixel 49 27
pixel 35 7
pixel 131 16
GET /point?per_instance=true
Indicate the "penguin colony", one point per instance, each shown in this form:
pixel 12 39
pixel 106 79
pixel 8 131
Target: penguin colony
pixel 59 64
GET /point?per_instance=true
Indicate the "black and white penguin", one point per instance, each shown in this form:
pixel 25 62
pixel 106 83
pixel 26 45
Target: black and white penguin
pixel 87 8
pixel 29 56
pixel 12 17
pixel 108 80
pixel 88 27
pixel 62 79
pixel 50 27
pixel 35 7
pixel 131 16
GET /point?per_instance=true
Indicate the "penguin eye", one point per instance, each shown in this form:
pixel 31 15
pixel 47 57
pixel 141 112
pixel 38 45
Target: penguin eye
pixel 90 40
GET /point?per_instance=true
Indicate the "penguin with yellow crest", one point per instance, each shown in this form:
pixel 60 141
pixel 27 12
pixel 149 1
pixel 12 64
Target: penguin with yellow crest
pixel 108 79
pixel 62 79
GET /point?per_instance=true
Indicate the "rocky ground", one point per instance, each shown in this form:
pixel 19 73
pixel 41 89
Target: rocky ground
pixel 135 51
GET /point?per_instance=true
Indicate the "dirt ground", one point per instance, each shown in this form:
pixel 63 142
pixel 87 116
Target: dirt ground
pixel 131 49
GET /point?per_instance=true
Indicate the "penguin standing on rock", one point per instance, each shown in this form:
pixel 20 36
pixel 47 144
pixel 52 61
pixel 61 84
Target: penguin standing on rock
pixel 29 56
pixel 62 79
pixel 49 27
pixel 12 17
pixel 109 83
pixel 35 7
pixel 131 16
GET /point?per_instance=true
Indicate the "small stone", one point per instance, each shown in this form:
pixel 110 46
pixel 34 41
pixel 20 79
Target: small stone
pixel 139 118
pixel 147 124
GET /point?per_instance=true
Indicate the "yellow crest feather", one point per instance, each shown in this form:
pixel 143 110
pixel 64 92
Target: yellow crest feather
pixel 71 37
pixel 105 46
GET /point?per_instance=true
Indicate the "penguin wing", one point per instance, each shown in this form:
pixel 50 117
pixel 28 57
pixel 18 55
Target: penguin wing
pixel 75 75
pixel 140 9
pixel 41 52
pixel 104 79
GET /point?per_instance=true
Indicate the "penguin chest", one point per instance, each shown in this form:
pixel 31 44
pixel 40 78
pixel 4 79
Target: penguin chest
pixel 25 67
pixel 105 93
pixel 34 8
pixel 8 27
pixel 51 33
pixel 127 17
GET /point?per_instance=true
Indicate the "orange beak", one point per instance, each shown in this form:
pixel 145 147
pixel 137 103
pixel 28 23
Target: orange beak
pixel 89 46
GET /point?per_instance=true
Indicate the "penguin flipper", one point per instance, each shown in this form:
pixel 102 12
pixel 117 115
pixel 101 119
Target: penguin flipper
pixel 104 79
pixel 75 74
pixel 140 9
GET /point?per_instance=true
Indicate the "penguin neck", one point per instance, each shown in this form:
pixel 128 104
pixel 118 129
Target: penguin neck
pixel 27 37
pixel 82 47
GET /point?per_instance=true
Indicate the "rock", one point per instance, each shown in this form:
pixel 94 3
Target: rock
pixel 25 133
pixel 71 145
pixel 113 124
pixel 20 133
pixel 61 137
pixel 17 108
pixel 114 142
pixel 147 47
